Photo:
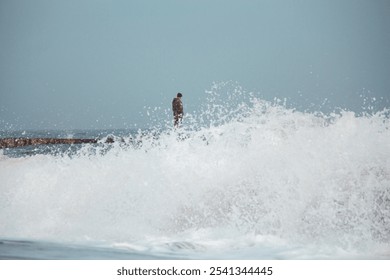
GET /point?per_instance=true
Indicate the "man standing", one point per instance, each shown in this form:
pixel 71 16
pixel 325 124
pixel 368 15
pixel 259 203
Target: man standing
pixel 177 108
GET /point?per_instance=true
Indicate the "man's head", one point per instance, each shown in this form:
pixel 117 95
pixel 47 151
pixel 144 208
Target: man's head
pixel 179 95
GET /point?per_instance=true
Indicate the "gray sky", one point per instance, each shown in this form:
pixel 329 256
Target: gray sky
pixel 98 63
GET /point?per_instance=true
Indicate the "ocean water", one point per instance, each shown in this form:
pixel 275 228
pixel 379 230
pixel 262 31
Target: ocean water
pixel 250 180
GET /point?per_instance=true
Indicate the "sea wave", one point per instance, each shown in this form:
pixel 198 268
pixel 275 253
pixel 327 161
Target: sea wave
pixel 250 171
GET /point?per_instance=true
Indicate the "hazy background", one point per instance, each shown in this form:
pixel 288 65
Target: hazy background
pixel 100 64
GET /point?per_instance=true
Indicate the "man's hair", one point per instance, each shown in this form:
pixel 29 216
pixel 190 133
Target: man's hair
pixel 179 95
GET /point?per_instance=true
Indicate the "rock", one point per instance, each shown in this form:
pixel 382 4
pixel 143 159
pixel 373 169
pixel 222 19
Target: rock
pixel 20 142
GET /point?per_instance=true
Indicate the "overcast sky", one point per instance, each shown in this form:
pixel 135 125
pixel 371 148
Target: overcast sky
pixel 98 63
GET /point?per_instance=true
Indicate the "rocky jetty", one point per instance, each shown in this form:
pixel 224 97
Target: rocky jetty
pixel 19 142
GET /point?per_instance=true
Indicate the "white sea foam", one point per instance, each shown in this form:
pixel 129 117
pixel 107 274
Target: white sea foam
pixel 254 180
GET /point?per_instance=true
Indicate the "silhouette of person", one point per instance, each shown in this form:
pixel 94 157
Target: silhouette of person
pixel 177 108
